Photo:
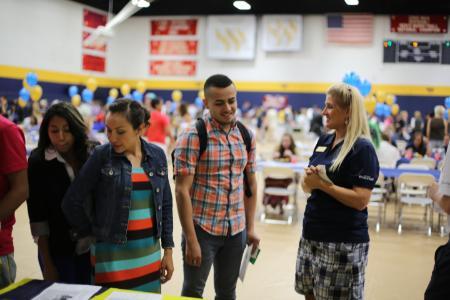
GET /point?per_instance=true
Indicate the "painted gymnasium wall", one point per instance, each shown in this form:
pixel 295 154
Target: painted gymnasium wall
pixel 45 35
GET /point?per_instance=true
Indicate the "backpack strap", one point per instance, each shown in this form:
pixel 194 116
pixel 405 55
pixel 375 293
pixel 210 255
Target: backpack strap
pixel 202 135
pixel 245 136
pixel 248 146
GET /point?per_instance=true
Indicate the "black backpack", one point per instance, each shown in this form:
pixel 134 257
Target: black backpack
pixel 203 137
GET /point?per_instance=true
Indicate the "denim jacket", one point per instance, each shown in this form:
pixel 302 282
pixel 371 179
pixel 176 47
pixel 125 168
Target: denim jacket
pixel 98 201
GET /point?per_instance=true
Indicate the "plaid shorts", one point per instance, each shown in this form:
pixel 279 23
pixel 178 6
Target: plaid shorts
pixel 7 270
pixel 331 270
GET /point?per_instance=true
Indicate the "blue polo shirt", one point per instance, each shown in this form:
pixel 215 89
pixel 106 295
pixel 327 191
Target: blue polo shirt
pixel 326 219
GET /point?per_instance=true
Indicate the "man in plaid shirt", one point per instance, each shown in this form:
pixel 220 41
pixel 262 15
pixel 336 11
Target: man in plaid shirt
pixel 217 220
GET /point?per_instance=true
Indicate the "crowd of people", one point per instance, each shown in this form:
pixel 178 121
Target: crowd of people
pixel 105 207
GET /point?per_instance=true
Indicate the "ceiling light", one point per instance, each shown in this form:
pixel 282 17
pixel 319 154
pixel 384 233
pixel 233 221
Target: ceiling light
pixel 242 5
pixel 352 2
pixel 141 3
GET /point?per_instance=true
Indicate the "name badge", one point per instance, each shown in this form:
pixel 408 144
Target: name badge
pixel 321 149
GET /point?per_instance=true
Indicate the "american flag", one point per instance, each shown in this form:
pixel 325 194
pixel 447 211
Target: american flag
pixel 350 28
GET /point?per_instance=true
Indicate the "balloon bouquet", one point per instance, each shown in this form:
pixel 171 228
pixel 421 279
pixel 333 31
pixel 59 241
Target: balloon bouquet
pixel 30 90
pixel 379 103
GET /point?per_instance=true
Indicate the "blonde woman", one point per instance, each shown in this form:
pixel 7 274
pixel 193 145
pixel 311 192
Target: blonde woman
pixel 437 128
pixel 333 250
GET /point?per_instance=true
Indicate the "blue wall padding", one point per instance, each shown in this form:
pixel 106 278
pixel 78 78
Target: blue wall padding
pixel 10 88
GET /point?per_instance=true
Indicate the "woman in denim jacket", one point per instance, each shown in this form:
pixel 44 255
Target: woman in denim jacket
pixel 122 200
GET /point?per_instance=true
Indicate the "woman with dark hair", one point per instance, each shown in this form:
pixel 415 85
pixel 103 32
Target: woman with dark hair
pixel 418 146
pixel 132 205
pixel 62 149
pixel 287 150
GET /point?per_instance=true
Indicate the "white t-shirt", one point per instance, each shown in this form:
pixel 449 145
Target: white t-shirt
pixel 388 155
pixel 444 181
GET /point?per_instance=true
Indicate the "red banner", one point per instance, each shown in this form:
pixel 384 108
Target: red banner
pixel 174 27
pixel 95 46
pixel 419 24
pixel 94 63
pixel 173 67
pixel 92 19
pixel 173 47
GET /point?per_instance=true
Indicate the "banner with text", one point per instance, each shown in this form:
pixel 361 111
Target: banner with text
pixel 419 24
pixel 93 51
pixel 173 47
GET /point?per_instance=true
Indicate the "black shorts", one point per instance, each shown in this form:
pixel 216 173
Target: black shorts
pixel 439 286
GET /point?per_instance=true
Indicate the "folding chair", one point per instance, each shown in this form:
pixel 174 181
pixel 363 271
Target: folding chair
pixel 378 199
pixel 424 161
pixel 412 167
pixel 413 189
pixel 280 190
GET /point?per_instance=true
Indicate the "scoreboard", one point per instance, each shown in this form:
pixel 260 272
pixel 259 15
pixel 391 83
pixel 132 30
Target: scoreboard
pixel 436 52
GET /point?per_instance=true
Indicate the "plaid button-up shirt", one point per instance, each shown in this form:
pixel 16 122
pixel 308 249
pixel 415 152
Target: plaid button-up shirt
pixel 217 192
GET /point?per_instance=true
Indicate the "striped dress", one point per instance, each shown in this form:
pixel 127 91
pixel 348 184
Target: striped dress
pixel 136 264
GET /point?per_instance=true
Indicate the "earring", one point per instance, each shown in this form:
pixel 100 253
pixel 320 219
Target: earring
pixel 346 122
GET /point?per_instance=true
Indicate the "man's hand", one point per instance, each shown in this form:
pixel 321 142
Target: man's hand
pixel 252 240
pixel 193 253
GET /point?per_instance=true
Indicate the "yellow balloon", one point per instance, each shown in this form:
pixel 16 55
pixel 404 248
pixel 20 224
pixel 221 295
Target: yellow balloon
pixel 141 86
pixel 281 116
pixel 369 104
pixel 125 89
pixel 177 95
pixel 22 103
pixel 390 99
pixel 381 96
pixel 36 93
pixel 395 108
pixel 113 93
pixel 26 85
pixel 91 84
pixel 76 100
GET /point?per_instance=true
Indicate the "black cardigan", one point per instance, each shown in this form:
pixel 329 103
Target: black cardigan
pixel 48 182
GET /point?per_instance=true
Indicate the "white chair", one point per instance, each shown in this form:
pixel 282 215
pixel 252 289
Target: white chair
pixel 290 210
pixel 413 167
pixel 412 189
pixel 424 161
pixel 378 199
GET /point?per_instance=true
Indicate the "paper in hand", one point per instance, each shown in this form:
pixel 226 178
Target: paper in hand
pixel 244 262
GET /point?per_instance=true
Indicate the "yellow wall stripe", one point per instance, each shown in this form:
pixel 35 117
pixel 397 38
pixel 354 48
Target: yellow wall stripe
pixel 248 86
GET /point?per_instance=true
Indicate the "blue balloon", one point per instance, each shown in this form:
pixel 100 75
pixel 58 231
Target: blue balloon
pixel 198 102
pixel 87 95
pixel 151 96
pixel 352 79
pixel 447 102
pixel 73 90
pixel 365 87
pixel 110 100
pixel 137 96
pixel 32 79
pixel 24 94
pixel 387 110
pixel 379 110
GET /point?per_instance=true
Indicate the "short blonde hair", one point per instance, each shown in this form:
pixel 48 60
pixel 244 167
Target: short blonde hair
pixel 439 111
